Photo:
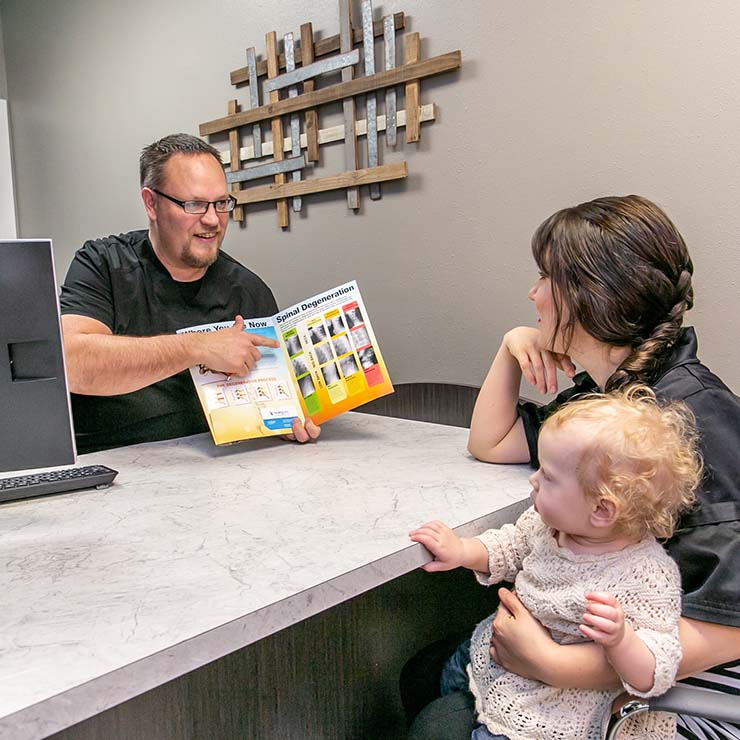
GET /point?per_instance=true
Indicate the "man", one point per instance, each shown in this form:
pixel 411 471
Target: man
pixel 125 296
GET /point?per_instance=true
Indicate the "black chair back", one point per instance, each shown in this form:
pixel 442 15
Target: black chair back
pixel 440 403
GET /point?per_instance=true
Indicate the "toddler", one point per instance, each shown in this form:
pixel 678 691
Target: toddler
pixel 615 472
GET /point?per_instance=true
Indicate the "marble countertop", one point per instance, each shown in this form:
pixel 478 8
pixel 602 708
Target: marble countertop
pixel 197 550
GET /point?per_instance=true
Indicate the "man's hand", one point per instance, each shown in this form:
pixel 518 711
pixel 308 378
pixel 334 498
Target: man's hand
pixel 232 351
pixel 603 620
pixel 303 432
pixel 101 364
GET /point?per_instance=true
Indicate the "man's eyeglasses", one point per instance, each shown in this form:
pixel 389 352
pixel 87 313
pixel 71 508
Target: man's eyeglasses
pixel 199 207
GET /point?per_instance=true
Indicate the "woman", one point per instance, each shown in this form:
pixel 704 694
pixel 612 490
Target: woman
pixel 614 285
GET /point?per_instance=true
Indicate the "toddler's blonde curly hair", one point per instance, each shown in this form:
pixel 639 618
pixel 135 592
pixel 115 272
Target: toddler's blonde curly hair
pixel 643 457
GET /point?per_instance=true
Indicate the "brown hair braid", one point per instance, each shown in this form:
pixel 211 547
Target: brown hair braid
pixel 620 269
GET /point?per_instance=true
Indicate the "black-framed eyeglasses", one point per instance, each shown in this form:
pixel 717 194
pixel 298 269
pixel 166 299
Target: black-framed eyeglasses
pixel 199 207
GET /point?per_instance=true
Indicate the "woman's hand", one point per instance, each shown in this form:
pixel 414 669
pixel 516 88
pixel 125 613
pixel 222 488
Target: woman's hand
pixel 522 645
pixel 519 642
pixel 539 365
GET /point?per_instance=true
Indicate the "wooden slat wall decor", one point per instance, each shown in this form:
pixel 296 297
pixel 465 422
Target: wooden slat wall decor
pixel 330 135
pixel 371 104
pixel 277 125
pixel 305 96
pixel 413 54
pixel 434 66
pixel 320 49
pixel 351 179
pixel 389 41
pixel 312 116
pixel 254 99
pixel 234 159
pixel 346 42
pixel 295 121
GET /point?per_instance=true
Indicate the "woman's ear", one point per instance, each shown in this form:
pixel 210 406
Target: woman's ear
pixel 604 513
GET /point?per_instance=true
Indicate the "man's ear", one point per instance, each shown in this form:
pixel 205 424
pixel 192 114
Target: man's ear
pixel 148 197
pixel 604 513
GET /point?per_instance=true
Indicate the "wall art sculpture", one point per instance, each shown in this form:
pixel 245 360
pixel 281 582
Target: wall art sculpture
pixel 286 94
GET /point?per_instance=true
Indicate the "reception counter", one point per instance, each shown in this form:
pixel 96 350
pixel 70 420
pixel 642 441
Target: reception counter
pixel 197 551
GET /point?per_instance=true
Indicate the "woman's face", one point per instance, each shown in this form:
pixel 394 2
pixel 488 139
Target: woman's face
pixel 541 295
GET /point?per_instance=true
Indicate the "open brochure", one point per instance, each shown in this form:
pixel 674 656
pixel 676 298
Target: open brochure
pixel 328 362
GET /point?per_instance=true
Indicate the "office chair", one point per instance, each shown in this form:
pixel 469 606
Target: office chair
pixel 688 700
pixel 436 402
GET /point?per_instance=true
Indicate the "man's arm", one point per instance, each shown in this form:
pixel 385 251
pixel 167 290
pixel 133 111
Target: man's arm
pixel 101 364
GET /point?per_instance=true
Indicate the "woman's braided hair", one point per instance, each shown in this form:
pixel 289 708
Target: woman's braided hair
pixel 619 268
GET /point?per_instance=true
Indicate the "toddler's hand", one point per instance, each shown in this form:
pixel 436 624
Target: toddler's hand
pixel 603 619
pixel 448 549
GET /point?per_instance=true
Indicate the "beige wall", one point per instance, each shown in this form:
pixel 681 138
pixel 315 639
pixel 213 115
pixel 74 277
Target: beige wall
pixel 557 102
pixel 3 81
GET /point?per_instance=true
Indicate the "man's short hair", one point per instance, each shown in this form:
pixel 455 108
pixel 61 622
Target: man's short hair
pixel 154 157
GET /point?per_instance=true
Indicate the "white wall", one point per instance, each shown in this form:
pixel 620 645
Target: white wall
pixel 557 102
pixel 7 195
pixel 3 80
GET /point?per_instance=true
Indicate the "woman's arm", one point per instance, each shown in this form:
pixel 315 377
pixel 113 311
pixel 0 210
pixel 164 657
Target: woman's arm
pixel 523 646
pixel 496 432
pixel 705 644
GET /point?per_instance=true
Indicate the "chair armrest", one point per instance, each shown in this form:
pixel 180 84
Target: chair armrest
pixel 698 703
pixel 689 700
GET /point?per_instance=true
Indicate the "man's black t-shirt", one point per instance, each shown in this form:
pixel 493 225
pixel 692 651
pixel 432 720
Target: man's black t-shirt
pixel 120 282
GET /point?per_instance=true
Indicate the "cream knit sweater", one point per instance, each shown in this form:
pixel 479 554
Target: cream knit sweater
pixel 551 582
